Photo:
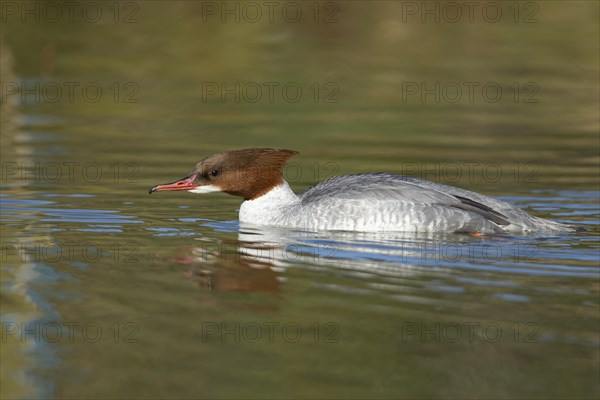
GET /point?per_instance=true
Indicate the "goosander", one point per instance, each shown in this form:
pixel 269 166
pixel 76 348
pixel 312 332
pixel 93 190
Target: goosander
pixel 362 202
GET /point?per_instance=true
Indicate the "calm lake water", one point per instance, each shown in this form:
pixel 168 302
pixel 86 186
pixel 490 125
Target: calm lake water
pixel 110 293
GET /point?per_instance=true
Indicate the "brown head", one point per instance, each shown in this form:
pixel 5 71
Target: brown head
pixel 248 173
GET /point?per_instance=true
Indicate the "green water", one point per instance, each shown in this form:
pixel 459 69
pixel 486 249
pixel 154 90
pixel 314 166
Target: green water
pixel 110 293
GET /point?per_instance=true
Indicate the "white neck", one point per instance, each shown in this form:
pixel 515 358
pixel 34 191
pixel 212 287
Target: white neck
pixel 270 207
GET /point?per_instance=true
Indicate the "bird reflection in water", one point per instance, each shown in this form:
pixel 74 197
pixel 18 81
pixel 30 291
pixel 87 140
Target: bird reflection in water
pixel 257 260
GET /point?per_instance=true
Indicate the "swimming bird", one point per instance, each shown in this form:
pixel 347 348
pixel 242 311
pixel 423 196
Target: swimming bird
pixel 368 202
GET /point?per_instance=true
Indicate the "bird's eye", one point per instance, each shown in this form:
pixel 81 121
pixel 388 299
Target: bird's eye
pixel 214 173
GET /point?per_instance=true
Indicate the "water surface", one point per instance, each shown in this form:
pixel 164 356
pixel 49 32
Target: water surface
pixel 110 293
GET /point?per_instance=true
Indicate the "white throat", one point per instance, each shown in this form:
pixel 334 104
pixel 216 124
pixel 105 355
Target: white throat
pixel 205 189
pixel 271 207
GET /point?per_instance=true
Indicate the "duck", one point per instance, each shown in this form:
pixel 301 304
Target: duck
pixel 365 202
